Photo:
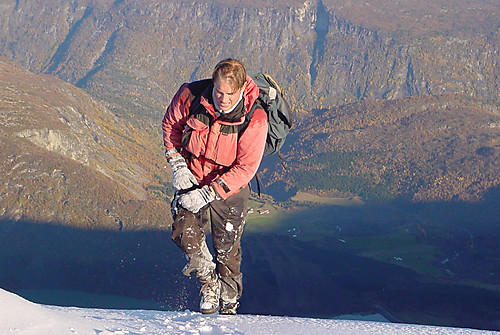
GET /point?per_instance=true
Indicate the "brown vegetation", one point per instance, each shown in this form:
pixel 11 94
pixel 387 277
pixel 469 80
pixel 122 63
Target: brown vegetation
pixel 428 148
pixel 65 159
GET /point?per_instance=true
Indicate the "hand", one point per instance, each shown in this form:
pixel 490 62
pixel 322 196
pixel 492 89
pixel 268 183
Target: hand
pixel 195 200
pixel 182 177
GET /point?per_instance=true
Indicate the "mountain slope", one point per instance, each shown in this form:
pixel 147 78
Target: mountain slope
pixel 66 159
pixel 423 148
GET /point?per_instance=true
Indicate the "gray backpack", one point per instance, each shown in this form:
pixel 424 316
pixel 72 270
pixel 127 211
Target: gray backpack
pixel 278 111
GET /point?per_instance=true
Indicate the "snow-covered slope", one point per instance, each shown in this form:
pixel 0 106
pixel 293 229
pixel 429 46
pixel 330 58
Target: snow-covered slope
pixel 19 316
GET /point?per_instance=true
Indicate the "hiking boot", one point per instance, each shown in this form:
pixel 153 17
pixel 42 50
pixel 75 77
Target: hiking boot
pixel 229 308
pixel 210 294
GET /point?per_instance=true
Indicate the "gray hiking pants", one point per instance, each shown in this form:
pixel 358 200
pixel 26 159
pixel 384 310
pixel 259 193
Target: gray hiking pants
pixel 227 219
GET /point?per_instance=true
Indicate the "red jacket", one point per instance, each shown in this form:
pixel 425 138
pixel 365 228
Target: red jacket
pixel 226 160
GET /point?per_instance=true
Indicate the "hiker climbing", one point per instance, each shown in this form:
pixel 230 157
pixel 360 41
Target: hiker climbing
pixel 215 136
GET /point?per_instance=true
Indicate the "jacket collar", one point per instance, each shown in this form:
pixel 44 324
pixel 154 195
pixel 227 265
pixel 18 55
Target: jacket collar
pixel 250 95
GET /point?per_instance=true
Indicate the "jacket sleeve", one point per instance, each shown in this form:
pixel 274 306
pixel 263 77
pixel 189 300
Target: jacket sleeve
pixel 175 119
pixel 251 144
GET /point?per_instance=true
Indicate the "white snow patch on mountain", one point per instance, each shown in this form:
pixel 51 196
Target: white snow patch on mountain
pixel 19 316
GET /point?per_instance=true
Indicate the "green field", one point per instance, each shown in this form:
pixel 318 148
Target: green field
pixel 302 197
pixel 432 240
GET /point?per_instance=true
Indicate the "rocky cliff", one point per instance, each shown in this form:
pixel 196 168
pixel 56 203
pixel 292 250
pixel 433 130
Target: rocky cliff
pixel 134 54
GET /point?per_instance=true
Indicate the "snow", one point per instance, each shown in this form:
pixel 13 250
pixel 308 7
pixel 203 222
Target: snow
pixel 20 316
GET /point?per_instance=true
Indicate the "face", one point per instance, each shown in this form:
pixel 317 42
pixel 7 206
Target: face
pixel 225 94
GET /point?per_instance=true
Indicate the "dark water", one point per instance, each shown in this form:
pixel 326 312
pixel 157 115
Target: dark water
pixel 283 274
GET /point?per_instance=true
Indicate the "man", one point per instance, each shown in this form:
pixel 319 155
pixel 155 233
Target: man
pixel 213 161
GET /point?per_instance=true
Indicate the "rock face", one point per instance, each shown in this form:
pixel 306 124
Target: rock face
pixel 132 54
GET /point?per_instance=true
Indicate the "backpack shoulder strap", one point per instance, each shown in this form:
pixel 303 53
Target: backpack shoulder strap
pixel 196 89
pixel 248 116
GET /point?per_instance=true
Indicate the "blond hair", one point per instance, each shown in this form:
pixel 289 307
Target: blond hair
pixel 231 70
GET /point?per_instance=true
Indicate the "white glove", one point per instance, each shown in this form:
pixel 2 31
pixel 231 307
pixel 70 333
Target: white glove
pixel 194 200
pixel 182 177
